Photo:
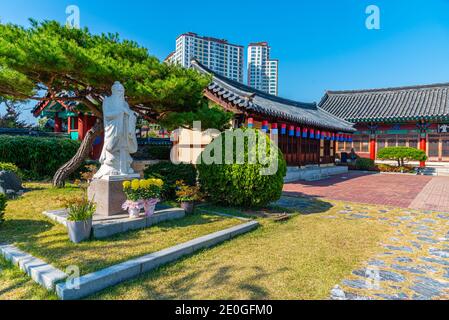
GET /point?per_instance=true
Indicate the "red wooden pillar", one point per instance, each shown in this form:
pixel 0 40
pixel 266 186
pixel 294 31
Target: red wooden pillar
pixel 372 147
pixel 423 147
pixel 69 124
pixel 58 123
pixel 82 126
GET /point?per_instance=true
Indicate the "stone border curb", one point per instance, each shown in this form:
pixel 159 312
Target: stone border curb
pixel 99 280
pixel 41 272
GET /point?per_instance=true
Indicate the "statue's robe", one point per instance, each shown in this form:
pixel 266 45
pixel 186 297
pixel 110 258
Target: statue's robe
pixel 119 138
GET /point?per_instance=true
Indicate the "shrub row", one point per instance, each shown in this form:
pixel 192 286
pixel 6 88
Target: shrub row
pixel 2 207
pixel 170 173
pixel 37 158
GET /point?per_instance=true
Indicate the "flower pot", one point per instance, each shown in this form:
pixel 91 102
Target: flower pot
pixel 134 213
pixel 133 208
pixel 150 206
pixel 188 207
pixel 79 230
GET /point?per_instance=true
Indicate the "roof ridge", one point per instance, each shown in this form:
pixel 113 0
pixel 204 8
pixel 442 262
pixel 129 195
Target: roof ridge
pixel 249 90
pixel 391 89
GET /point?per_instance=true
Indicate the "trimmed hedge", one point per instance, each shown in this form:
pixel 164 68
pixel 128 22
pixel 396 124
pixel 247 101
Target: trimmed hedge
pixel 3 201
pixel 241 184
pixel 402 155
pixel 156 152
pixel 38 158
pixel 364 164
pixel 170 173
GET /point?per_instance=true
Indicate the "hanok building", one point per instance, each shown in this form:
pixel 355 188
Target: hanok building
pixel 415 117
pixel 307 134
pixel 71 118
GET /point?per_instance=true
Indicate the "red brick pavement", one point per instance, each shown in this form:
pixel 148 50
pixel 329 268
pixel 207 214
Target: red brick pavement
pixel 383 189
pixel 434 196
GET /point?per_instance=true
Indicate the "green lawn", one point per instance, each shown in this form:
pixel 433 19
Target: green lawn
pixel 301 258
pixel 16 285
pixel 32 232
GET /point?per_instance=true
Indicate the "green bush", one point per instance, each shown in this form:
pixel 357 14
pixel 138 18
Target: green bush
pixel 3 201
pixel 241 184
pixel 6 166
pixel 38 158
pixel 401 155
pixel 159 152
pixel 364 164
pixel 170 173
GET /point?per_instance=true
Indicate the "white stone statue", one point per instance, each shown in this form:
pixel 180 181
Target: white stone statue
pixel 120 139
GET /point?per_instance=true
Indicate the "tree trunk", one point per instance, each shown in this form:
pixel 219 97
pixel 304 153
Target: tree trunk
pixel 83 152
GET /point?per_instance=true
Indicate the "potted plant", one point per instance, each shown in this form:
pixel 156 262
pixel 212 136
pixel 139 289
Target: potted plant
pixel 187 195
pixel 142 194
pixel 79 219
pixel 133 203
pixel 150 193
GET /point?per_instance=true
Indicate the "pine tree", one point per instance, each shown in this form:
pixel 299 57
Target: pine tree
pixel 75 65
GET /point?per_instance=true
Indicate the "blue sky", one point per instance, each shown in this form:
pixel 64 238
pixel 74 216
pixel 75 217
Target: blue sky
pixel 321 45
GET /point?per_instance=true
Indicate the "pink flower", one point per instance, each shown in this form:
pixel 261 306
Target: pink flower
pixel 132 205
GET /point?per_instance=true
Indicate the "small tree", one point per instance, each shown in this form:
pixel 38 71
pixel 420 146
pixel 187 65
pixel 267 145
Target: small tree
pixel 402 154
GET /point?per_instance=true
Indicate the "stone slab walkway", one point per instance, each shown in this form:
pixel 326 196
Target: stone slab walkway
pixel 405 191
pixel 412 262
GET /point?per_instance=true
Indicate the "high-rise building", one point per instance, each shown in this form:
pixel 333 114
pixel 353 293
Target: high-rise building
pixel 262 71
pixel 217 54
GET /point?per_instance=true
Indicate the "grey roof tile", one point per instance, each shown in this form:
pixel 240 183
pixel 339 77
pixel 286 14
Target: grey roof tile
pixel 260 102
pixel 405 103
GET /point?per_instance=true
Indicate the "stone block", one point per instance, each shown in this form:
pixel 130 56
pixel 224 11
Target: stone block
pixel 108 196
pixel 134 224
pixel 241 229
pixel 165 256
pixel 41 272
pixel 99 280
pixel 106 230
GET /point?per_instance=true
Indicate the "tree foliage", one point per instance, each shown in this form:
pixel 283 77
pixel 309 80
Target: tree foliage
pixel 402 154
pixel 11 117
pixel 211 117
pixel 49 61
pixel 241 183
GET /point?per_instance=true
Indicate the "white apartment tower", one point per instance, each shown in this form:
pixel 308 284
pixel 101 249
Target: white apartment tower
pixel 216 54
pixel 262 71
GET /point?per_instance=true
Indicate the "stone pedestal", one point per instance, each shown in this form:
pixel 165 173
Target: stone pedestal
pixel 108 195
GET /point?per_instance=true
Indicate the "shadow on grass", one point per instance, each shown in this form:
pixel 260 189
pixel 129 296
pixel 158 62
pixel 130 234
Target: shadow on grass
pixel 22 230
pixel 293 204
pixel 188 286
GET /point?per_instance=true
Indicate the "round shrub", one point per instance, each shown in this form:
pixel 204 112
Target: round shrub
pixel 7 166
pixel 402 154
pixel 241 183
pixel 170 173
pixel 364 164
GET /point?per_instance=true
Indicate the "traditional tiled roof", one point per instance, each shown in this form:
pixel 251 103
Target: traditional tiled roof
pixel 254 101
pixel 429 102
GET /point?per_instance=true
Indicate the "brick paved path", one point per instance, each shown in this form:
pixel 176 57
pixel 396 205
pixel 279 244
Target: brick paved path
pixel 434 196
pixel 405 191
